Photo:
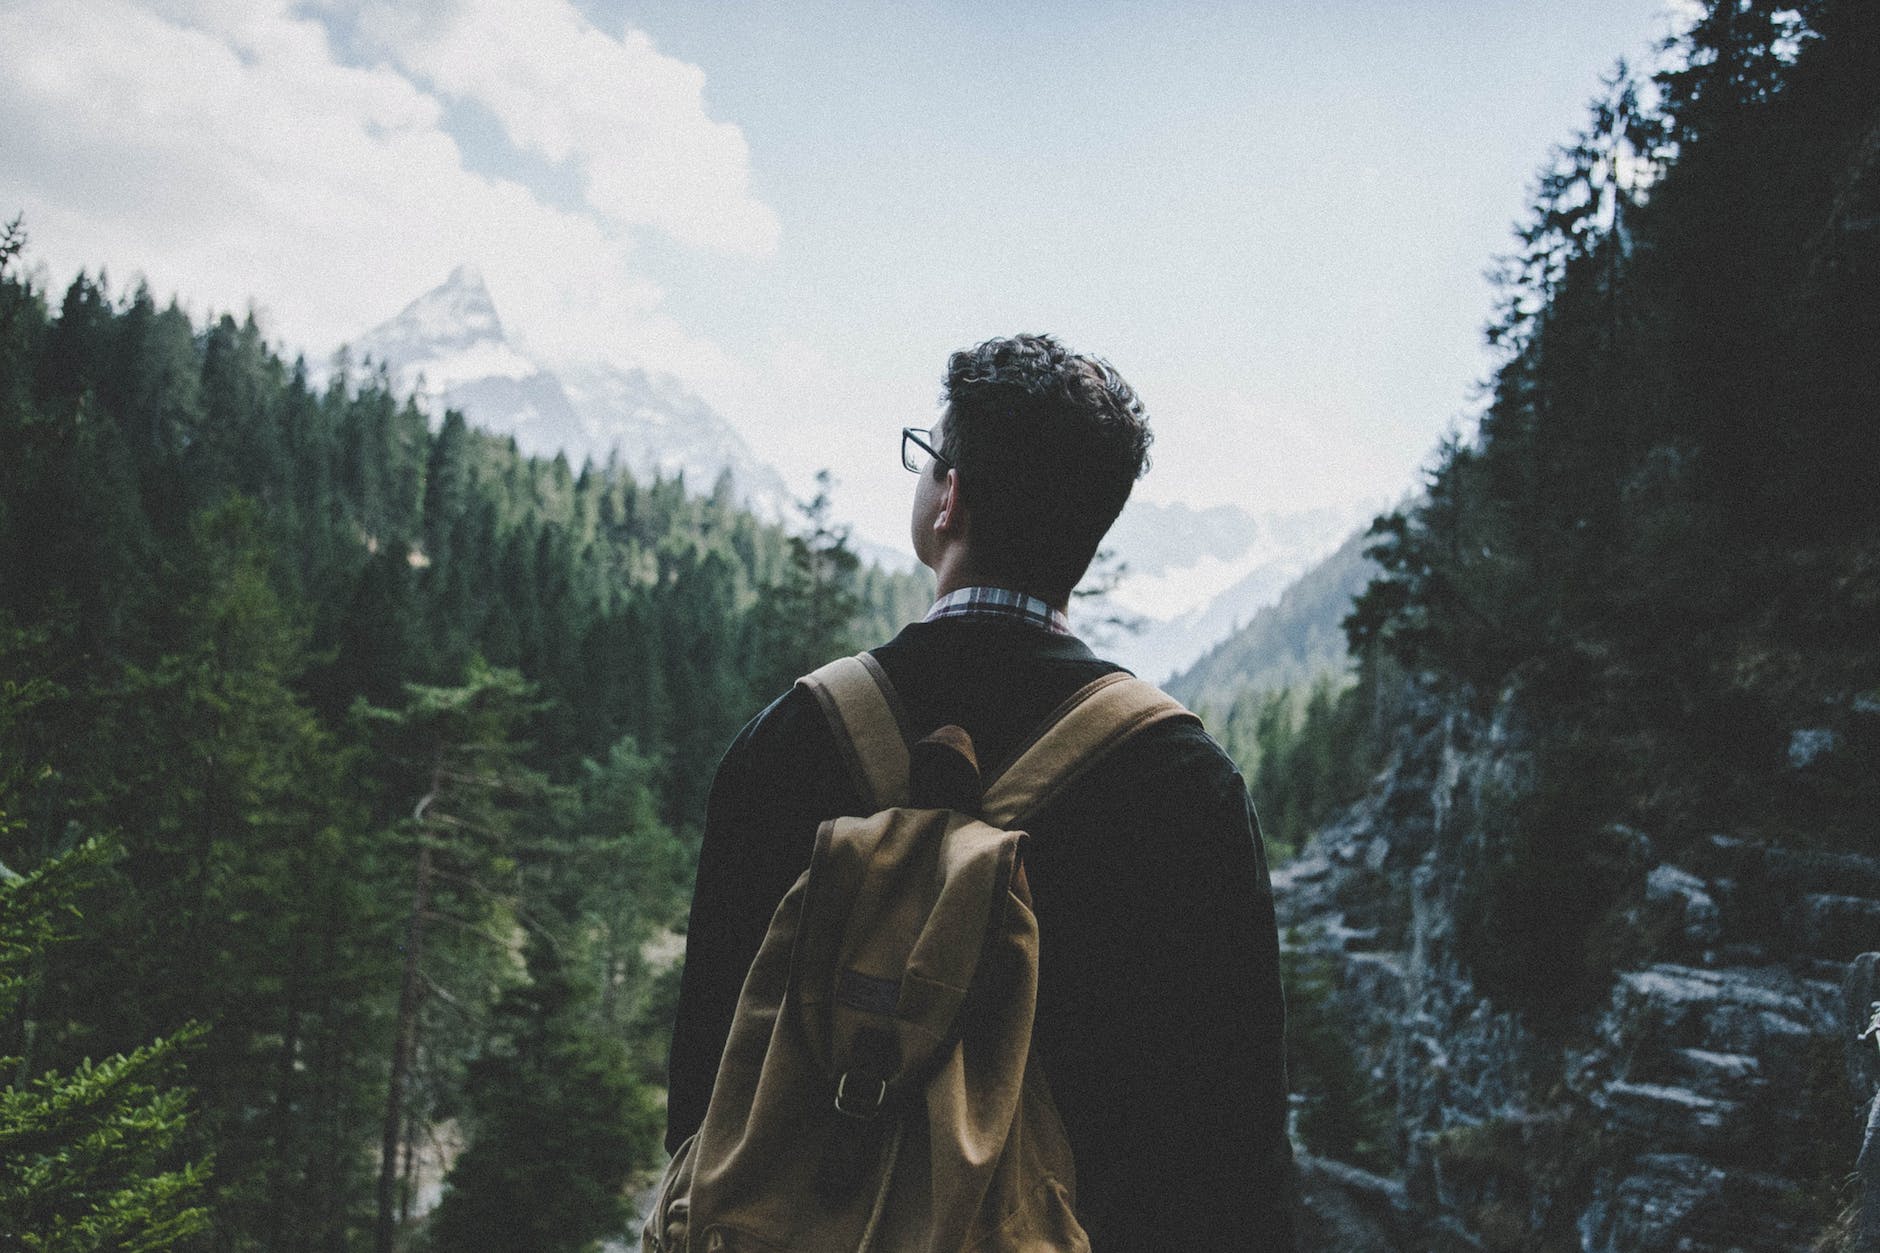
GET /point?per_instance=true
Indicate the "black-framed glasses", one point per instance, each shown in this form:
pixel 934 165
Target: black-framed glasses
pixel 916 440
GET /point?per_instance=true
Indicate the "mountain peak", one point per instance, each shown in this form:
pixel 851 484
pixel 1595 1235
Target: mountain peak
pixel 449 335
pixel 448 346
pixel 458 312
pixel 467 277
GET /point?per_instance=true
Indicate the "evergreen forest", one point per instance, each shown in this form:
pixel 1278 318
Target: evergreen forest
pixel 351 772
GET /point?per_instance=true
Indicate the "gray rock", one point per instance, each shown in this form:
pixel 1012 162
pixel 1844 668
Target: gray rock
pixel 1683 893
pixel 1717 1074
pixel 1809 745
pixel 1670 1115
pixel 1682 1203
pixel 1346 1208
pixel 1838 927
pixel 1860 997
pixel 1648 1209
pixel 1687 1084
pixel 1787 872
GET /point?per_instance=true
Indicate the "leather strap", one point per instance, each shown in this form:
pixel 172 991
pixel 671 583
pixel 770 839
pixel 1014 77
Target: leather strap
pixel 1095 719
pixel 871 730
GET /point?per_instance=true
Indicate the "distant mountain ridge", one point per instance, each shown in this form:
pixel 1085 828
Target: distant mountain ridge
pixel 1290 642
pixel 449 349
pixel 1193 576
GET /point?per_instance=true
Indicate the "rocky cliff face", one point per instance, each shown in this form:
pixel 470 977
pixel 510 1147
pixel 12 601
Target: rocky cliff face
pixel 1707 1101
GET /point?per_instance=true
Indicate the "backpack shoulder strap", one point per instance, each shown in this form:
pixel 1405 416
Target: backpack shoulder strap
pixel 1095 719
pixel 865 713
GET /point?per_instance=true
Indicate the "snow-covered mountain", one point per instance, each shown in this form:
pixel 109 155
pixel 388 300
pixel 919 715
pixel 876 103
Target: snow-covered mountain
pixel 1193 576
pixel 448 348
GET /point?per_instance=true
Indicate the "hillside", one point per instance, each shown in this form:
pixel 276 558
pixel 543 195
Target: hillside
pixel 1579 944
pixel 1289 643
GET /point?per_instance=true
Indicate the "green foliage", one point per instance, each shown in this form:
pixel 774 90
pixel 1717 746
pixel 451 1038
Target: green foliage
pixel 1344 1115
pixel 805 618
pixel 478 815
pixel 229 568
pixel 1288 644
pixel 557 1123
pixel 1524 1182
pixel 631 881
pixel 1309 751
pixel 1297 751
pixel 1666 528
pixel 90 1157
pixel 1281 697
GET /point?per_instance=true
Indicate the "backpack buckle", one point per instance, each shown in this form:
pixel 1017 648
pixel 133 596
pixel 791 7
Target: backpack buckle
pixel 851 1106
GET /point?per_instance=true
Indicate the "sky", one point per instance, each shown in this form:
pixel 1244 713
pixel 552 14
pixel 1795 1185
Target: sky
pixel 1273 219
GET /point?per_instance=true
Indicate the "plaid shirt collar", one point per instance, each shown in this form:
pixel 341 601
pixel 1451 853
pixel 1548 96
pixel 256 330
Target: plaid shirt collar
pixel 999 602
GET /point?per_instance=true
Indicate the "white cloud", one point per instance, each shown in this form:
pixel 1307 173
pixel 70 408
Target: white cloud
pixel 222 148
pixel 630 120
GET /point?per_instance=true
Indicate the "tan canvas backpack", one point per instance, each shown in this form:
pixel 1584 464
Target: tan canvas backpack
pixel 877 1091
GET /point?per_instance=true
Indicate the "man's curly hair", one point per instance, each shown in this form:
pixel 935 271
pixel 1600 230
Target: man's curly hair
pixel 1047 444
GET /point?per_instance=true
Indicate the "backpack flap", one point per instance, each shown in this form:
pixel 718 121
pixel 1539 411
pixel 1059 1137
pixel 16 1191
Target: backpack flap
pixel 901 911
pixel 914 988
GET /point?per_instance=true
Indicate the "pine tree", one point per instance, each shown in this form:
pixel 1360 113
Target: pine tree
pixel 557 1123
pixel 453 752
pixel 90 1155
pixel 235 808
pixel 621 874
pixel 808 616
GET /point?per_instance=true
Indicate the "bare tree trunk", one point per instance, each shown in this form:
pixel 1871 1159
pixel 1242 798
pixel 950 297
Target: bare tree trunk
pixel 287 1143
pixel 325 1170
pixel 410 1173
pixel 410 992
pixel 610 977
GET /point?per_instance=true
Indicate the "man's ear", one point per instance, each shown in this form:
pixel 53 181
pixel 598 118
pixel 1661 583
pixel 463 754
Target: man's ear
pixel 951 518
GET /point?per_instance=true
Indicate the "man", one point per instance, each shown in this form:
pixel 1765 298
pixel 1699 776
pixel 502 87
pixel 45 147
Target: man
pixel 1159 1024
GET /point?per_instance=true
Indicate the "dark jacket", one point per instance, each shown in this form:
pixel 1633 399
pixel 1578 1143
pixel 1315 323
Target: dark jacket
pixel 1160 1023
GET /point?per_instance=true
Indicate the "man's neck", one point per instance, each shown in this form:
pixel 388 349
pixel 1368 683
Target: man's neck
pixel 955 571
